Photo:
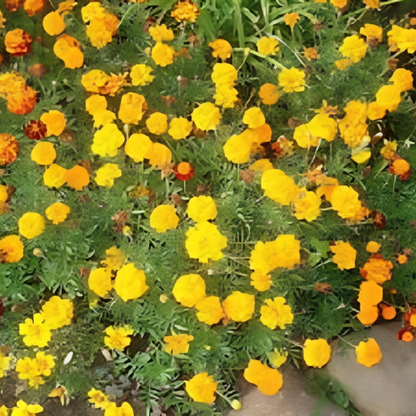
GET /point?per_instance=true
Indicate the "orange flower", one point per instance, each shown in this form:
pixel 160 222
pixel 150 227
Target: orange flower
pixel 368 314
pixel 368 353
pixel 377 269
pixel 36 130
pixel 11 249
pixel 310 53
pixel 388 312
pixel 184 171
pixel 401 168
pixel 9 149
pixel 291 19
pixel 373 247
pixel 268 380
pixel 21 99
pixel 345 255
pixel 68 49
pixel 269 94
pixel 77 177
pixel 43 153
pixel 370 293
pixel 18 42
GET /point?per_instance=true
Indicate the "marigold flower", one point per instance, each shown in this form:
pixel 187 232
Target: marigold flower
pixel 279 187
pixel 311 53
pixel 401 168
pixel 189 290
pixel 132 108
pixel 268 380
pixel 185 11
pixel 353 126
pixel 36 130
pixel 210 310
pixel 4 411
pixel 400 39
pixel 269 94
pixel 9 149
pixel 202 208
pixel 68 49
pixel 180 128
pixel 377 269
pixel 124 410
pixel 23 409
pixel 57 312
pixel 184 171
pixel 206 117
pixel 261 165
pixel 276 313
pixel 164 218
pixel 77 178
pixel 368 314
pixel 307 206
pixel 201 388
pixel 225 76
pixel 405 335
pixel 177 344
pixel 291 19
pixel 106 174
pixel 277 358
pixel 107 141
pixel 43 153
pixel 54 176
pixel 21 99
pixel 373 247
pixel 163 54
pixel 353 48
pixel 138 147
pixel 237 148
pixel 316 352
pixel 322 126
pixel 260 281
pixel 205 242
pixel 140 75
pixel 345 255
pixel 292 80
pixel 114 259
pixel 157 123
pixel 254 117
pixel 53 24
pixel 161 33
pixel 368 353
pixel 102 24
pixel 18 42
pixel 57 212
pixel 402 79
pixel 36 332
pixel 28 369
pixel 11 249
pixel 130 283
pixel 31 225
pixel 388 97
pixel 372 32
pixel 96 105
pixel 118 337
pixel 268 46
pixel 388 312
pixel 239 306
pixel 372 4
pixel 221 49
pixel 159 155
pixel 4 366
pixel 345 200
pixel 98 399
pixel 99 281
pixel 55 122
pixel 99 82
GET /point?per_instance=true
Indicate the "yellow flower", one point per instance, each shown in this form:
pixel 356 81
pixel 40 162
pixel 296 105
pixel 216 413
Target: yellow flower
pixel 345 200
pixel 201 388
pixel 345 255
pixel 180 128
pixel 45 363
pixel 322 126
pixel 316 352
pixel 130 283
pixel 260 281
pixel 311 53
pixel 261 165
pixel 159 155
pixel 157 123
pixel 23 409
pixel 53 23
pixel 372 32
pixel 132 108
pixel 372 4
pixel 283 252
pixel 68 49
pixel 140 75
pixel 237 148
pixel 98 399
pixel 138 147
pixel 206 116
pixel 239 306
pixel 342 64
pixel 36 332
pixel 277 358
pixel 291 19
pixel 202 208
pixel 54 176
pixel 55 122
pixel 353 48
pixel 163 54
pixel 43 153
pixel 99 82
pixel 268 46
pixel 268 380
pixel 279 187
pixel 99 281
pixel 161 33
pixel 185 11
pixel 11 249
pixel 57 312
pixel 57 212
pixel 276 313
pixel 4 365
pixel 269 94
pixel 114 259
pixel 77 177
pixel 106 174
pixel 205 242
pixel 368 353
pixel 402 39
pixel 221 49
pixel 31 225
pixel 373 247
pixel 210 310
pixel 353 127
pixel 402 79
pixel 107 140
pixel 254 117
pixel 292 80
pixel 164 218
pixel 375 112
pixel 307 206
pixel 124 410
pixel 102 24
pixel 4 411
pixel 118 338
pixel 189 290
pixel 28 369
pixel 362 156
pixel 177 344
pixel 96 105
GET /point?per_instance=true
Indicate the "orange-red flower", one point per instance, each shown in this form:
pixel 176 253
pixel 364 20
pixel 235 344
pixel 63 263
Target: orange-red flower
pixel 8 149
pixel 18 42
